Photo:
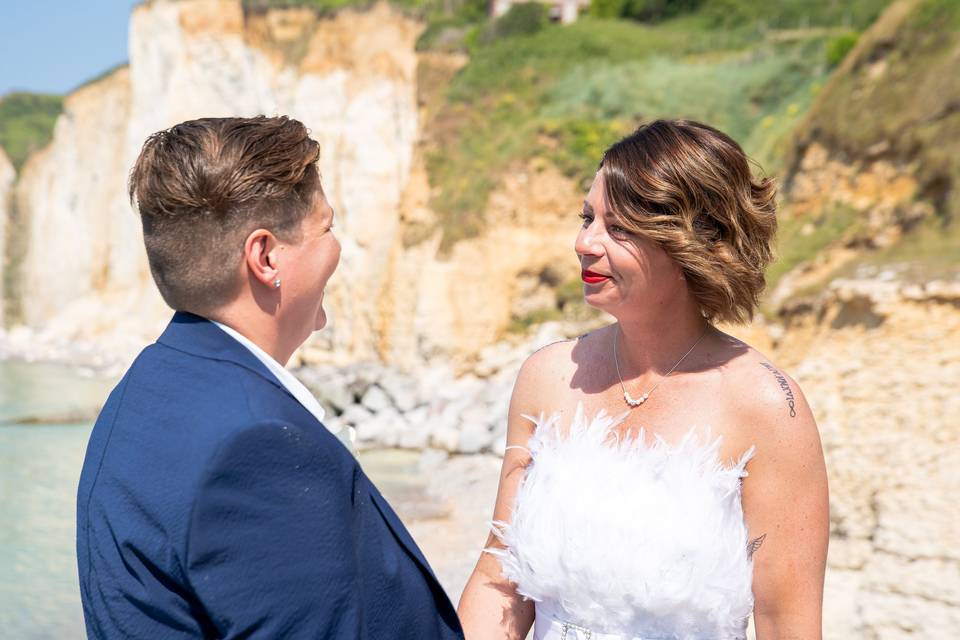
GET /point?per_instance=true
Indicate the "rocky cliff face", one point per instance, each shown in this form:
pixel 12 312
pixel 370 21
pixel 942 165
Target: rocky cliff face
pixel 462 303
pixel 880 365
pixel 7 175
pixel 78 232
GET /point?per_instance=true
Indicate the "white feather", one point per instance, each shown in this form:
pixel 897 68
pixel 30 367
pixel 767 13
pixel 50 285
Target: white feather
pixel 628 537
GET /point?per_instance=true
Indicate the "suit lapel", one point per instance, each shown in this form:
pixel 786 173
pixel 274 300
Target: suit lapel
pixel 198 336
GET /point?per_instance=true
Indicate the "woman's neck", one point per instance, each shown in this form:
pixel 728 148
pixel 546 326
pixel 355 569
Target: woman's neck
pixel 655 344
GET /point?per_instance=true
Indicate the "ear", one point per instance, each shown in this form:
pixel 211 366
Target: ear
pixel 260 254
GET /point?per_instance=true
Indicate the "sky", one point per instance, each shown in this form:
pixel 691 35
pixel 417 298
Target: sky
pixel 53 46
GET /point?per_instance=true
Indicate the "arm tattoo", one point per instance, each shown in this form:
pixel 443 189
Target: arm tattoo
pixel 783 385
pixel 754 545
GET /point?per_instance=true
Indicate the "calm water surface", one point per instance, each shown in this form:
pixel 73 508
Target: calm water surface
pixel 39 470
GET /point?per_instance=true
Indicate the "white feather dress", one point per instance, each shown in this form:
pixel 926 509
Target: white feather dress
pixel 628 539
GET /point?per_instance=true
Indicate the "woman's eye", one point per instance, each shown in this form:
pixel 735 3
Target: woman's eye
pixel 617 230
pixel 586 219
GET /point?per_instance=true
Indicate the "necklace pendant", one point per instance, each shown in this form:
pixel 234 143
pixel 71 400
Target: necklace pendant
pixel 634 403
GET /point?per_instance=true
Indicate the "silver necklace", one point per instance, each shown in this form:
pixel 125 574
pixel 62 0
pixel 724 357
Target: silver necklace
pixel 639 401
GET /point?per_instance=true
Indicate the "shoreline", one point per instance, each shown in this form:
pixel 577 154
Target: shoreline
pixel 376 406
pixel 93 358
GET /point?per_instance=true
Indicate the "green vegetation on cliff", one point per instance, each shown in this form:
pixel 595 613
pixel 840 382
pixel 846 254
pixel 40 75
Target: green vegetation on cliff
pixel 26 123
pixel 895 100
pixel 730 14
pixel 898 100
pixel 432 10
pixel 533 88
pixel 564 93
pixel 794 14
pixel 322 6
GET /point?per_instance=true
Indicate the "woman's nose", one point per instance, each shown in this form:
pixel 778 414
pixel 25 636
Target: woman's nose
pixel 587 243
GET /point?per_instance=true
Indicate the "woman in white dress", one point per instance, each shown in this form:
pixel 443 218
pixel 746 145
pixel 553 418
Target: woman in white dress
pixel 625 508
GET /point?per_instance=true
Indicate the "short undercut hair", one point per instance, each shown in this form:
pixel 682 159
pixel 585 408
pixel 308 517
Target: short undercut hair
pixel 688 188
pixel 202 186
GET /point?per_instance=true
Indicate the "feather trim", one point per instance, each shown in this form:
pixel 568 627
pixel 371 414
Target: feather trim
pixel 630 537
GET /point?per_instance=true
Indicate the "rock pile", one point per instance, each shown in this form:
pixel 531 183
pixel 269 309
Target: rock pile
pixel 432 408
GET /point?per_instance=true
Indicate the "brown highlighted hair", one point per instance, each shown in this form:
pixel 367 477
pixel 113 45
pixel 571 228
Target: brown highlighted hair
pixel 688 188
pixel 202 186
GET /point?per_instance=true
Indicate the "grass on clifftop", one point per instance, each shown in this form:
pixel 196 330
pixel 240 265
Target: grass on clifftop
pixel 564 93
pixel 26 123
pixel 794 14
pixel 783 14
pixel 321 6
pixel 431 10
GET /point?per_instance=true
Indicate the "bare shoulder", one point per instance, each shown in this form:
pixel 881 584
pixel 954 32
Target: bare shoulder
pixel 550 361
pixel 772 415
pixel 546 376
pixel 548 368
pixel 769 404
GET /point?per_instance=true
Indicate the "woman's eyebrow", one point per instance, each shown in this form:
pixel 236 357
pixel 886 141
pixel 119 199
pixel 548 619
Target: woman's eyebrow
pixel 587 208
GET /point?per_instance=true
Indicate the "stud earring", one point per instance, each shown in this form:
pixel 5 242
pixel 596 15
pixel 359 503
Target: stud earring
pixel 276 283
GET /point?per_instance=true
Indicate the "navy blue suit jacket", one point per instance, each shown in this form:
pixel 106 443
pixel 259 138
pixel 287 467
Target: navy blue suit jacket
pixel 213 505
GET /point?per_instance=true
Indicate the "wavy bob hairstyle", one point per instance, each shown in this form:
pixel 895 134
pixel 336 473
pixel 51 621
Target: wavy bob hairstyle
pixel 688 188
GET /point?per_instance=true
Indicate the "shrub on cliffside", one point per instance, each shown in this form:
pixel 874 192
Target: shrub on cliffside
pixel 840 46
pixel 520 20
pixel 26 123
pixel 794 14
pixel 607 8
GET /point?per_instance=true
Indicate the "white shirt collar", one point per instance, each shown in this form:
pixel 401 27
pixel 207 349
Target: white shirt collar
pixel 287 379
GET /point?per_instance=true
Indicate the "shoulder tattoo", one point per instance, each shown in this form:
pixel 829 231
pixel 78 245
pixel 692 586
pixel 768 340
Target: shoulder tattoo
pixel 784 385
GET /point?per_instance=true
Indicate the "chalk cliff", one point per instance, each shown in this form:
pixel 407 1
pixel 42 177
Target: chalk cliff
pixel 351 78
pixel 7 175
pixel 877 356
pixel 79 235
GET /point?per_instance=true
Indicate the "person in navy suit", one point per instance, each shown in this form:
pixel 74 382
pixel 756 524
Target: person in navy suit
pixel 213 503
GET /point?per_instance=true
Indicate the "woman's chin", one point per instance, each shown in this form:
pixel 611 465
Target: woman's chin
pixel 597 300
pixel 321 321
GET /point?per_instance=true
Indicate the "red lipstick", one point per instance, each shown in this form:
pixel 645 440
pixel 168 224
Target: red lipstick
pixel 591 277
